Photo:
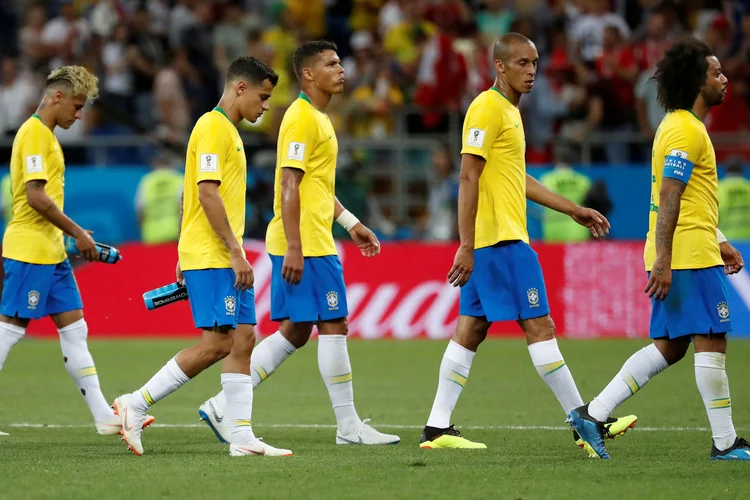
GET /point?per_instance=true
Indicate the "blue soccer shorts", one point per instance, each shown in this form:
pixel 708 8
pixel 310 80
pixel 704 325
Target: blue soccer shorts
pixel 507 284
pixel 696 304
pixel 319 296
pixel 32 291
pixel 214 301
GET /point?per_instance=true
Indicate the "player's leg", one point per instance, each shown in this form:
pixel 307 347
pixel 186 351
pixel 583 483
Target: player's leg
pixel 238 387
pixel 12 329
pixel 454 372
pixel 24 297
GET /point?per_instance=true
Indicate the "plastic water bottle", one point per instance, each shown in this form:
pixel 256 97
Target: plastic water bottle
pixel 165 295
pixel 107 254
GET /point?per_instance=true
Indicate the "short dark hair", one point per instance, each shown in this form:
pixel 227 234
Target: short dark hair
pixel 251 69
pixel 308 50
pixel 681 74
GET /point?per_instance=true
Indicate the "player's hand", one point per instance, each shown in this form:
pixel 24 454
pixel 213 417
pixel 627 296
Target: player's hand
pixel 365 239
pixel 87 246
pixel 596 222
pixel 178 273
pixel 463 266
pixel 660 280
pixel 732 258
pixel 243 272
pixel 294 264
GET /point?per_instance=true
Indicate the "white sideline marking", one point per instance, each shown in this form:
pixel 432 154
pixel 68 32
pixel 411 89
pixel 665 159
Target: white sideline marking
pixel 381 426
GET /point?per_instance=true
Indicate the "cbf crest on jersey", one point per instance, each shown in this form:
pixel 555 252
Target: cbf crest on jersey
pixel 723 310
pixel 231 304
pixel 33 299
pixel 533 296
pixel 333 300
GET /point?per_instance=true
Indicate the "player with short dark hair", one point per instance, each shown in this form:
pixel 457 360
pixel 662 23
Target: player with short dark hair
pixel 497 270
pixel 217 274
pixel 39 280
pixel 686 256
pixel 307 283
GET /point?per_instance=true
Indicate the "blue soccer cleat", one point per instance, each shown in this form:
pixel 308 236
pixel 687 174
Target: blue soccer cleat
pixel 740 450
pixel 591 431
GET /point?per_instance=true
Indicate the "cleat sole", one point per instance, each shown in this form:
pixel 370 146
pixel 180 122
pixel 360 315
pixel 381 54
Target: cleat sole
pixel 204 418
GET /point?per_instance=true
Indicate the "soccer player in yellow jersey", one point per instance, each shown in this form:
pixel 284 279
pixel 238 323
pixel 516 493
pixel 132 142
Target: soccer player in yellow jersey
pixel 498 272
pixel 686 255
pixel 217 274
pixel 307 283
pixel 39 280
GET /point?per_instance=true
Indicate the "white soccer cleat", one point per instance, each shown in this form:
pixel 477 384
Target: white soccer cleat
pixel 366 435
pixel 214 416
pixel 132 423
pixel 113 426
pixel 257 448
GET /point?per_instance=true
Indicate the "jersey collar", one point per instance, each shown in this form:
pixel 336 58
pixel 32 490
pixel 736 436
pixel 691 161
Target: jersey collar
pixel 498 91
pixel 37 117
pixel 696 116
pixel 217 108
pixel 304 97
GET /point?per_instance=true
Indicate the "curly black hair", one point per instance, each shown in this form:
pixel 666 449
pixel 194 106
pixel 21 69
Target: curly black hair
pixel 681 74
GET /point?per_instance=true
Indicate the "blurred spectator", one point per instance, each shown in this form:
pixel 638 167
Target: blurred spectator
pixel 8 28
pixel 146 54
pixel 391 15
pixel 181 17
pixel 172 106
pixel 158 199
pixel 309 16
pixel 734 202
pixel 158 11
pixel 373 103
pixel 731 116
pixel 118 76
pixel 649 51
pixel 441 223
pixel 404 40
pixel 198 43
pixel 649 112
pixel 103 16
pixel 20 94
pixel 450 16
pixel 34 52
pixel 281 37
pixel 362 63
pixel 558 227
pixel 588 31
pixel 230 36
pixel 495 20
pixel 719 38
pixel 65 35
pixel 617 65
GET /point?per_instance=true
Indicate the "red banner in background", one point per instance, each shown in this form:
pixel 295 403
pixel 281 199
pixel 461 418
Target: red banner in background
pixel 593 289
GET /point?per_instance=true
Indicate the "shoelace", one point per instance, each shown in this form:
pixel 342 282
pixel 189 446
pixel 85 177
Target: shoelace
pixel 452 431
pixel 741 443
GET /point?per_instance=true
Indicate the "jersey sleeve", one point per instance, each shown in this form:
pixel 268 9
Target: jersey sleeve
pixel 683 147
pixel 479 132
pixel 210 155
pixel 34 148
pixel 297 140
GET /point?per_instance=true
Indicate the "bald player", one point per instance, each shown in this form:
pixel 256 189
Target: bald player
pixel 508 282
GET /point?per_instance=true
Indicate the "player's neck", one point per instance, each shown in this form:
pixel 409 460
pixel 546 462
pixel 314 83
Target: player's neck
pixel 229 111
pixel 700 109
pixel 316 97
pixel 46 115
pixel 507 92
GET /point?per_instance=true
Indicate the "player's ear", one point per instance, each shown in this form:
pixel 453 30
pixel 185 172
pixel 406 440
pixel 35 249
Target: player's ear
pixel 307 74
pixel 58 96
pixel 499 66
pixel 241 87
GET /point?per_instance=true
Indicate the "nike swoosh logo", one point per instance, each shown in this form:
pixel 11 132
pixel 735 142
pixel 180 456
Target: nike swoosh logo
pixel 259 453
pixel 358 441
pixel 240 149
pixel 216 415
pixel 518 125
pixel 125 425
pixel 330 136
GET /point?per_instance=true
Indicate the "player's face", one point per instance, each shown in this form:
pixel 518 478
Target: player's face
pixel 520 69
pixel 68 109
pixel 253 100
pixel 715 88
pixel 328 73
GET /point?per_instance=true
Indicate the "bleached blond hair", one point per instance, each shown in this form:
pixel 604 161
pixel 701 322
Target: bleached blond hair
pixel 75 79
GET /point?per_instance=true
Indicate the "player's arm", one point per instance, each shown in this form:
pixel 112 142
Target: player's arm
pixel 733 262
pixel 178 270
pixel 210 153
pixel 541 194
pixel 361 235
pixel 468 199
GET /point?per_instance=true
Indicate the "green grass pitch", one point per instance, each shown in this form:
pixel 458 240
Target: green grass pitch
pixel 53 452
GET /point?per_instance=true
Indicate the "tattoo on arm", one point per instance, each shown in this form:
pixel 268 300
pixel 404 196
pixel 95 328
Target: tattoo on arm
pixel 666 223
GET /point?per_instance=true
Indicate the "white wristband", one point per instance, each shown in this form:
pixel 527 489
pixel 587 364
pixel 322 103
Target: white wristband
pixel 720 236
pixel 347 220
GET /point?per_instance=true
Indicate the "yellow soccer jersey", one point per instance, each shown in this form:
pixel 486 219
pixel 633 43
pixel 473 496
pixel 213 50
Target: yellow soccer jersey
pixel 308 142
pixel 215 153
pixel 683 150
pixel 36 155
pixel 493 130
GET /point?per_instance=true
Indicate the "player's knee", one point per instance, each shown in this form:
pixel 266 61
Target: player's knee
pixel 337 327
pixel 218 350
pixel 296 333
pixel 539 329
pixel 673 350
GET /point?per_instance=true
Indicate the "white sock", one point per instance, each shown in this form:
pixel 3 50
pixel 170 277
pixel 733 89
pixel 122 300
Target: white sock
pixel 454 370
pixel 165 382
pixel 711 376
pixel 80 366
pixel 9 336
pixel 551 367
pixel 634 374
pixel 336 370
pixel 238 390
pixel 266 358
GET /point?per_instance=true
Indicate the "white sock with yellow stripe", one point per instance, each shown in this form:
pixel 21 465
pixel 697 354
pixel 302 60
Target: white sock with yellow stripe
pixel 454 371
pixel 80 366
pixel 336 370
pixel 165 382
pixel 634 374
pixel 238 391
pixel 550 365
pixel 711 376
